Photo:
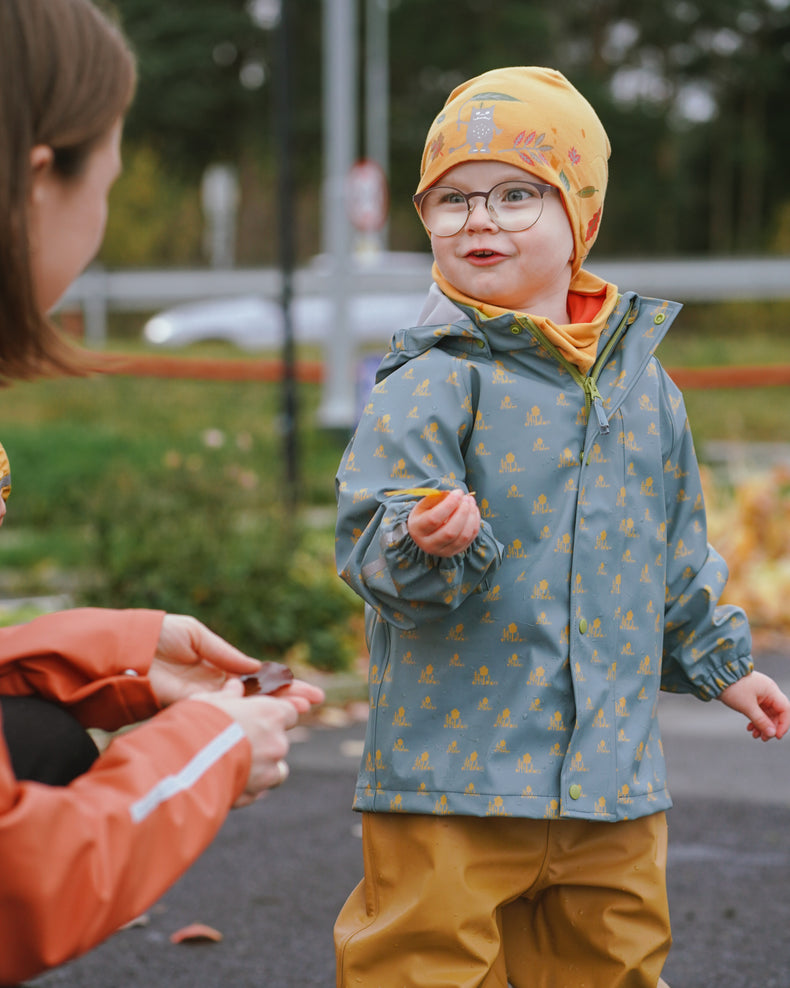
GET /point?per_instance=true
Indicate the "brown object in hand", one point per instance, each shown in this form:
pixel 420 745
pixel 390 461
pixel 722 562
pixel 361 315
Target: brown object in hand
pixel 271 677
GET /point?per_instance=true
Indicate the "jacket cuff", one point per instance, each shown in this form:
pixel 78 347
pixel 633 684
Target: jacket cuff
pixel 712 685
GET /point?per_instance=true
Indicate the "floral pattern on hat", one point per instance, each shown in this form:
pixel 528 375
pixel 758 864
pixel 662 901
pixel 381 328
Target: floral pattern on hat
pixel 534 118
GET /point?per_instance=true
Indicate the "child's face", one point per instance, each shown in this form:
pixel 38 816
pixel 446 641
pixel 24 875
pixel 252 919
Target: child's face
pixel 528 271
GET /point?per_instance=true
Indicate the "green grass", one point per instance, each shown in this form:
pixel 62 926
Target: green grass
pixel 733 335
pixel 65 434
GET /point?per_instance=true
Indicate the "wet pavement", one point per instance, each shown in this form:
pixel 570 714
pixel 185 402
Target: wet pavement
pixel 275 877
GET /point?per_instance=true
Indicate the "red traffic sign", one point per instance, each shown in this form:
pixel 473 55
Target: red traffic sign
pixel 367 196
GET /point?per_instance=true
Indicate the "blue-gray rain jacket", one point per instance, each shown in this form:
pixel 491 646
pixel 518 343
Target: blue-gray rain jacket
pixel 522 676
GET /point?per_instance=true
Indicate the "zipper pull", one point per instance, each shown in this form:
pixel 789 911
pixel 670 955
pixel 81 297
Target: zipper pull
pixel 597 403
pixel 600 412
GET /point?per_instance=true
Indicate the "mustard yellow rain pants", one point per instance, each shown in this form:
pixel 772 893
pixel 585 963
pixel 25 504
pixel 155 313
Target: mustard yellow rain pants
pixel 468 902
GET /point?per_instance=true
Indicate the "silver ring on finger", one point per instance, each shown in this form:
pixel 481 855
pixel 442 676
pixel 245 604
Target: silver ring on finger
pixel 282 772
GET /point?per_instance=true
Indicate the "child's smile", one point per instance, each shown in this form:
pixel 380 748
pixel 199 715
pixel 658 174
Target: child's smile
pixel 483 256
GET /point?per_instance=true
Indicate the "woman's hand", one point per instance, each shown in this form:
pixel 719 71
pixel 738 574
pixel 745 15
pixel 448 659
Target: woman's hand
pixel 300 695
pixel 446 528
pixel 265 721
pixel 190 658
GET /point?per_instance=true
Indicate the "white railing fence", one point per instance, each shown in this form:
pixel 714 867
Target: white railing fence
pixel 98 292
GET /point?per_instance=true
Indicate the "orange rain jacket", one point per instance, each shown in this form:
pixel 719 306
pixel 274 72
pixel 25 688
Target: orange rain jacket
pixel 77 862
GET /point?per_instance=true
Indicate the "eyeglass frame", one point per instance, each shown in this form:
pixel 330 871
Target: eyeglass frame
pixel 542 187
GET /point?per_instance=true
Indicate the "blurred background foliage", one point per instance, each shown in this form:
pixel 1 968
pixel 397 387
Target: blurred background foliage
pixel 693 94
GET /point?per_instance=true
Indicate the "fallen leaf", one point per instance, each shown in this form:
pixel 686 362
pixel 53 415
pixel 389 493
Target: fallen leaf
pixel 196 933
pixel 271 677
pixel 142 920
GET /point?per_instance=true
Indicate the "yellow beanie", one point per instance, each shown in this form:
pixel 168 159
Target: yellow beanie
pixel 534 118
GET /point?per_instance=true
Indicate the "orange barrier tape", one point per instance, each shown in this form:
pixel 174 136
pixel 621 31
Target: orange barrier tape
pixel 204 368
pixel 312 371
pixel 709 378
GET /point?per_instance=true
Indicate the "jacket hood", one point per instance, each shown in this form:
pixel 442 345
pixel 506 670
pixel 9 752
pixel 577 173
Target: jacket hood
pixel 440 320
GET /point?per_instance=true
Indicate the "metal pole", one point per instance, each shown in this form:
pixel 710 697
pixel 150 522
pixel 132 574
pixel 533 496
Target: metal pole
pixel 377 91
pixel 338 405
pixel 95 307
pixel 286 230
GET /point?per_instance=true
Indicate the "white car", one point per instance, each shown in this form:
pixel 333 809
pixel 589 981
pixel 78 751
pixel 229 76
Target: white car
pixel 256 323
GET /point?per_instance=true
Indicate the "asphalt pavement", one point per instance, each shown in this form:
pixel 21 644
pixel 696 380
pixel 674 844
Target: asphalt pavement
pixel 275 877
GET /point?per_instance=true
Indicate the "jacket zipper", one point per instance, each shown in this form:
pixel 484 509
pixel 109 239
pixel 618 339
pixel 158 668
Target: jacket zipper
pixel 587 382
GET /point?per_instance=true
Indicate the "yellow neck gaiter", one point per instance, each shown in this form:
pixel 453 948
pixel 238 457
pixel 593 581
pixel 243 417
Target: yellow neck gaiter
pixel 591 299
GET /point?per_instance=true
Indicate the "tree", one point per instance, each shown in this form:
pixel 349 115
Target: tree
pixel 693 94
pixel 202 64
pixel 697 81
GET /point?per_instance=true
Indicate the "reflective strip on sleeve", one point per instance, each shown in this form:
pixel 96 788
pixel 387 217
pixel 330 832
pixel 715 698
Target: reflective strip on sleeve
pixel 172 785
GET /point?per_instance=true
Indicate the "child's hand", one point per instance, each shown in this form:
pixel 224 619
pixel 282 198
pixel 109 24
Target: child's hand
pixel 446 528
pixel 758 697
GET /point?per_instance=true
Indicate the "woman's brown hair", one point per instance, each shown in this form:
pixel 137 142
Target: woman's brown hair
pixel 66 75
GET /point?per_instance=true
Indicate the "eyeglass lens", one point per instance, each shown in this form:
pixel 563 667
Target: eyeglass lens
pixel 512 205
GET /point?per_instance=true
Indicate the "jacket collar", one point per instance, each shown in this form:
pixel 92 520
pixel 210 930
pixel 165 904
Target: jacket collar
pixel 446 324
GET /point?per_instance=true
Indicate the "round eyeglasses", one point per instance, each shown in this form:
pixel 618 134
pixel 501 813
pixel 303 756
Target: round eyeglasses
pixel 513 206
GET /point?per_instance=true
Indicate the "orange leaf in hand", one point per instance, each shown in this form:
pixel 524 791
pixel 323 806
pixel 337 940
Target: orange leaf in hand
pixel 431 493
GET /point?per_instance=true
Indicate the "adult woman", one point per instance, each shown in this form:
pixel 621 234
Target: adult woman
pixel 104 837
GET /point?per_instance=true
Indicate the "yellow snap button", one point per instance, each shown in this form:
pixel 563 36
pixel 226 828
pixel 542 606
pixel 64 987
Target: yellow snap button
pixel 575 791
pixel 515 329
pixel 583 625
pixel 659 318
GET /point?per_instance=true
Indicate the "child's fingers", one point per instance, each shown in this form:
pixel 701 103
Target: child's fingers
pixel 446 518
pixel 777 721
pixel 427 516
pixel 472 527
pixel 440 507
pixel 448 531
pixel 774 712
pixel 782 724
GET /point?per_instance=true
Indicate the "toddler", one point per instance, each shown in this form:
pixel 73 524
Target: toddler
pixel 521 626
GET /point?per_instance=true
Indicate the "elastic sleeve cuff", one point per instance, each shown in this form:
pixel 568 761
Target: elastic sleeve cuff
pixel 711 686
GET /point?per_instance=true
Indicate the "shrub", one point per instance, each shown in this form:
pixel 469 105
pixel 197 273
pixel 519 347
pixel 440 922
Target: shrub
pixel 201 536
pixel 749 523
pixel 155 218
